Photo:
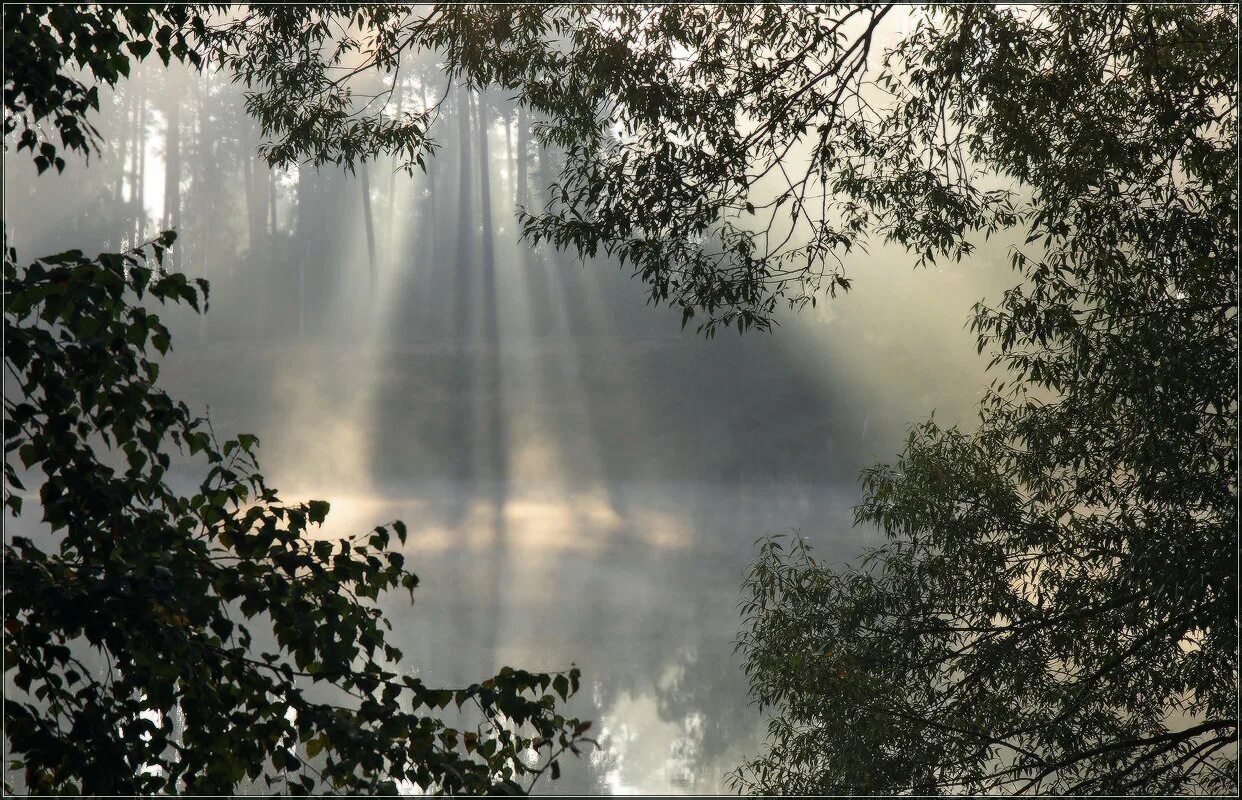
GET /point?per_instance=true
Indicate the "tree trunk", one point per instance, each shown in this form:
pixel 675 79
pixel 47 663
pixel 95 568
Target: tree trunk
pixel 121 153
pixel 465 226
pixel 522 194
pixel 141 207
pixel 138 176
pixel 248 182
pixel 204 209
pixel 510 155
pixel 365 174
pixel 430 230
pixel 273 223
pixel 197 169
pixel 131 163
pixel 303 241
pixel 398 99
pixel 490 321
pixel 253 184
pixel 172 167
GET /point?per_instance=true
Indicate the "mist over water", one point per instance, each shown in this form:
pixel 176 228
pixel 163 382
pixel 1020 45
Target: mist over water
pixel 583 480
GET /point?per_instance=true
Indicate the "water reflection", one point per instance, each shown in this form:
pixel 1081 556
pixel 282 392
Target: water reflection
pixel 651 628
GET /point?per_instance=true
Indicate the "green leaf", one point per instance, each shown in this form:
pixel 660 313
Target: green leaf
pixel 30 454
pixel 317 511
pixel 139 48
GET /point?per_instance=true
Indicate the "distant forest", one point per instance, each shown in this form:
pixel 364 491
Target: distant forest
pixel 1049 604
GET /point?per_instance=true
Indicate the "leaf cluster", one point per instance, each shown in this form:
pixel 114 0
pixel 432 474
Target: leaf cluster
pixel 57 56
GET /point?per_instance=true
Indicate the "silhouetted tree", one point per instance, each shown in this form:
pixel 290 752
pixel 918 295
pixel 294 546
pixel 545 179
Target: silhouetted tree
pixel 1055 610
pixel 172 163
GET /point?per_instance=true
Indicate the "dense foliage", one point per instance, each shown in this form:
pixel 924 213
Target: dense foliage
pixel 1056 610
pixel 52 52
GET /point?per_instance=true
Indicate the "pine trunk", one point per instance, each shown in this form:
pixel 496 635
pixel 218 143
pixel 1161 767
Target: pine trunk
pixel 172 167
pixel 465 225
pixel 365 174
pixel 522 194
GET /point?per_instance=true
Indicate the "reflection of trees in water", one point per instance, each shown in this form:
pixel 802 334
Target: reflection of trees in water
pixel 651 628
pixel 703 696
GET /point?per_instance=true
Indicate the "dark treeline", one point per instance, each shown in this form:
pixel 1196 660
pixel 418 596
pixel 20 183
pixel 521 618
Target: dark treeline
pixel 432 262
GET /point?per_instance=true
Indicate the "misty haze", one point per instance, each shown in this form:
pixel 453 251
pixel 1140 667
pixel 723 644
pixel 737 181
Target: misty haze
pixel 584 478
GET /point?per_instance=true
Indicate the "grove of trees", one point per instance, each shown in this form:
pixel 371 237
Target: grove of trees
pixel 1056 607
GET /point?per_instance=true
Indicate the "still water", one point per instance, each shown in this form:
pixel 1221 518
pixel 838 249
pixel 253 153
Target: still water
pixel 583 480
